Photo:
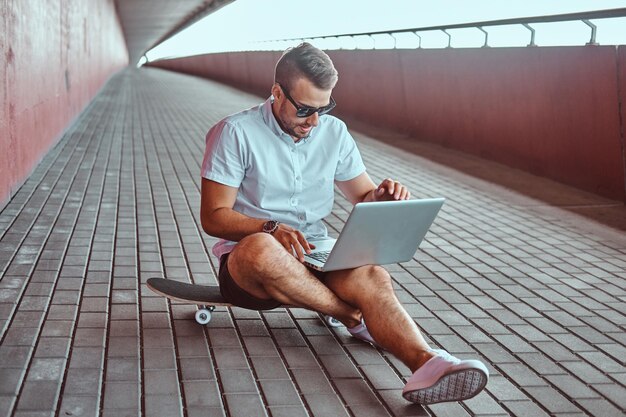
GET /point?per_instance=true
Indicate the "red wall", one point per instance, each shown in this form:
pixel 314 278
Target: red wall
pixel 550 111
pixel 54 57
pixel 252 71
pixel 621 65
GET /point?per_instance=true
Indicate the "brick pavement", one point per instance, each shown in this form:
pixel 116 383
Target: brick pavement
pixel 536 292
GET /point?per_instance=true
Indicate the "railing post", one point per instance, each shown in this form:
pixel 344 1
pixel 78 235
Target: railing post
pixel 373 40
pixel 532 34
pixel 419 45
pixel 486 45
pixel 594 28
pixel 395 41
pixel 449 38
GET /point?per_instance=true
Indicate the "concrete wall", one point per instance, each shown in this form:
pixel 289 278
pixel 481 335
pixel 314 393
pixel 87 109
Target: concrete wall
pixel 54 57
pixel 550 111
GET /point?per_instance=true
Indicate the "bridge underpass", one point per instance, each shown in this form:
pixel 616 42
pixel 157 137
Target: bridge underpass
pixel 536 292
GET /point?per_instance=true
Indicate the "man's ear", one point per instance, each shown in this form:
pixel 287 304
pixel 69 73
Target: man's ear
pixel 276 91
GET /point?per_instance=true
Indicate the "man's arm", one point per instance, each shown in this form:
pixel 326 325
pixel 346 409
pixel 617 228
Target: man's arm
pixel 220 220
pixel 218 217
pixel 362 189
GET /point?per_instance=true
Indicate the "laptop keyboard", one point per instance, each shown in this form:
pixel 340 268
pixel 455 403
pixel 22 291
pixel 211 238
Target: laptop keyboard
pixel 320 256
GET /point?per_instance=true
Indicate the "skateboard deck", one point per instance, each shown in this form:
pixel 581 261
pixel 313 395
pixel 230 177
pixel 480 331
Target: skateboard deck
pixel 205 296
pixel 187 293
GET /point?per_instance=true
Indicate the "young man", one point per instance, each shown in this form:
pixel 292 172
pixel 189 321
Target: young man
pixel 268 181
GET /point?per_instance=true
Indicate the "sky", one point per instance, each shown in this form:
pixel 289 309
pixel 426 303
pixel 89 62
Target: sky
pixel 251 24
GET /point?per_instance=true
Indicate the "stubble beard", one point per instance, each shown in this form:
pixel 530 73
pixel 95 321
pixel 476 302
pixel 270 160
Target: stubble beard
pixel 290 129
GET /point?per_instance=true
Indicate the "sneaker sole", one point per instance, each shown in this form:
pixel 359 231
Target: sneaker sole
pixel 456 386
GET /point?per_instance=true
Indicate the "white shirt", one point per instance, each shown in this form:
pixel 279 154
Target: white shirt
pixel 277 178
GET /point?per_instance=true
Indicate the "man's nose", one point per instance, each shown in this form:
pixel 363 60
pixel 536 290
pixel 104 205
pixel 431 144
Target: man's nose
pixel 313 119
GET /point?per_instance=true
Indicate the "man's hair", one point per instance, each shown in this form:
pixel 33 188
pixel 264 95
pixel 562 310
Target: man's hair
pixel 305 61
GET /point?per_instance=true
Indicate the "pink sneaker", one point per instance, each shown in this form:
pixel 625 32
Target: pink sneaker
pixel 446 378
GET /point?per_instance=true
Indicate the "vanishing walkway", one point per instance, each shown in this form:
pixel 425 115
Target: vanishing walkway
pixel 537 292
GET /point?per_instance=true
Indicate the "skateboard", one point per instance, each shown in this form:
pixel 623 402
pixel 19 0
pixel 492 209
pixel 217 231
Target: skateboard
pixel 206 297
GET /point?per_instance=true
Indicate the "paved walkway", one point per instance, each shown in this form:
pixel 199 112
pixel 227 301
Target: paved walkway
pixel 537 292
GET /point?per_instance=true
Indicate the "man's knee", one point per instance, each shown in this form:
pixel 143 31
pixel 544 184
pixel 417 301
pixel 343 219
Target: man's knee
pixel 255 248
pixel 375 278
pixel 260 255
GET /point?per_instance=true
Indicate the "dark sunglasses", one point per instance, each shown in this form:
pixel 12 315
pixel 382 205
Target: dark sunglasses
pixel 306 111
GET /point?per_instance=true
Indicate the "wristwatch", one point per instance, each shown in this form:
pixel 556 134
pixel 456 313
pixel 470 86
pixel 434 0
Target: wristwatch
pixel 270 226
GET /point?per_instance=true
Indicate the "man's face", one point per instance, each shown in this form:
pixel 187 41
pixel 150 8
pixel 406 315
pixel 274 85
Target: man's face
pixel 304 93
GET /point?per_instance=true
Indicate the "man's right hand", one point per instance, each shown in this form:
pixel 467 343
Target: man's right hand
pixel 293 241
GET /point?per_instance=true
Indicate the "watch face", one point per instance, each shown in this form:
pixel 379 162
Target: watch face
pixel 270 226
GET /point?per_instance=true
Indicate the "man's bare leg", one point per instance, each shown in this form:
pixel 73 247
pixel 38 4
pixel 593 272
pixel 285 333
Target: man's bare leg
pixel 437 376
pixel 369 289
pixel 263 268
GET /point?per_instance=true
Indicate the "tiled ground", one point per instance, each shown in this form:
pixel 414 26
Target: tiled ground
pixel 537 293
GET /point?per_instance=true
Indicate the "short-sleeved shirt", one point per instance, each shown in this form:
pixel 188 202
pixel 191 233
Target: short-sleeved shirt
pixel 276 177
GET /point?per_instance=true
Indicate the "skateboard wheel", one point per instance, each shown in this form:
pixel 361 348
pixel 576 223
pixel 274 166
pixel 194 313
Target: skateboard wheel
pixel 203 316
pixel 333 322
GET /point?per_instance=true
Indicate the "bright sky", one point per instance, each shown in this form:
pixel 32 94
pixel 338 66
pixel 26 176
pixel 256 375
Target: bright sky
pixel 245 24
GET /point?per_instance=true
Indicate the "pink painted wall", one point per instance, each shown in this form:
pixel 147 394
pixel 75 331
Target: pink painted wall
pixel 550 111
pixel 55 56
pixel 253 71
pixel 621 65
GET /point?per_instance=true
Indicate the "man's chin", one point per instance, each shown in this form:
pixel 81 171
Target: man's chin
pixel 300 136
pixel 298 132
pixel 304 133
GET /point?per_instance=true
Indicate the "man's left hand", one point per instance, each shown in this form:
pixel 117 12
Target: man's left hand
pixel 390 190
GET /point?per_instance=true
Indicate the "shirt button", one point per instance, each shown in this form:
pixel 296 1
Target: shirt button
pixel 293 150
pixel 301 218
pixel 294 201
pixel 298 178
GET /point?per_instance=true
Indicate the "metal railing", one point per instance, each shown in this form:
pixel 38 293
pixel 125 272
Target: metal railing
pixel 584 17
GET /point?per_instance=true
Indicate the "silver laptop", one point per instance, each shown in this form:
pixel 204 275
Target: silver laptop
pixel 376 233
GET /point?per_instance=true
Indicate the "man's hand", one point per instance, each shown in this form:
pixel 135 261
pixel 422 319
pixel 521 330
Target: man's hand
pixel 390 190
pixel 293 241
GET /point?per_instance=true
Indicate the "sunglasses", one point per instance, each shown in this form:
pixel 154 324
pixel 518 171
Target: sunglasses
pixel 306 111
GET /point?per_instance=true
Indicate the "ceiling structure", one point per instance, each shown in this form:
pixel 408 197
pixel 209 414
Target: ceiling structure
pixel 146 23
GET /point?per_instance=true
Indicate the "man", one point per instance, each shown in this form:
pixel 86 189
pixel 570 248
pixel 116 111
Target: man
pixel 268 180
